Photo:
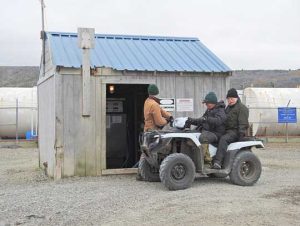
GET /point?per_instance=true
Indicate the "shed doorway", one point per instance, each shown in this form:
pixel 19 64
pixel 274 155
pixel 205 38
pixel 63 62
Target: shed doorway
pixel 124 123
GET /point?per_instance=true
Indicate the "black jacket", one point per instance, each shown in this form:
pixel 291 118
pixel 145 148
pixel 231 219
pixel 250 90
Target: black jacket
pixel 215 120
pixel 237 117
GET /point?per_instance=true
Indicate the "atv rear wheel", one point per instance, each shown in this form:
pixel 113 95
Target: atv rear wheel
pixel 147 172
pixel 246 169
pixel 177 171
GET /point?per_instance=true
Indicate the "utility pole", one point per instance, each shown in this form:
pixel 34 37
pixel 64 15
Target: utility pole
pixel 43 36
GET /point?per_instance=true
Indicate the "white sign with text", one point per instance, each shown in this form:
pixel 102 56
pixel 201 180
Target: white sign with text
pixel 185 104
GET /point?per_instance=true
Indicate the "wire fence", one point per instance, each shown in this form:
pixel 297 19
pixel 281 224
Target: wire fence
pixel 18 121
pixel 268 123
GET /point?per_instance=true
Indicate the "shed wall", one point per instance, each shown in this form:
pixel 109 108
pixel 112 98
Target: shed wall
pixel 49 67
pixel 79 133
pixel 46 105
pixel 195 87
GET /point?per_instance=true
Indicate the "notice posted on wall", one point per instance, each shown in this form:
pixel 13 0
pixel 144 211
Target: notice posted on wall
pixel 168 104
pixel 185 104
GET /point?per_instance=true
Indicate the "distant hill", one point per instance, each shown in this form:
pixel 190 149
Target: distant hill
pixel 265 78
pixel 27 77
pixel 18 76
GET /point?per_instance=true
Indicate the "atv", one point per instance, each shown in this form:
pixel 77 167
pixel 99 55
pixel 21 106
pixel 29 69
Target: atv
pixel 175 157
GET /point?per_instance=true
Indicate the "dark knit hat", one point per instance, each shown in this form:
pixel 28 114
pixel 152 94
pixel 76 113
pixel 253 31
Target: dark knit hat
pixel 210 98
pixel 153 90
pixel 232 93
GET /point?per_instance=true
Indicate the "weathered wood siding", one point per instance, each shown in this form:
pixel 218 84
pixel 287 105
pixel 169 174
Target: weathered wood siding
pixel 194 86
pixel 46 120
pixel 79 133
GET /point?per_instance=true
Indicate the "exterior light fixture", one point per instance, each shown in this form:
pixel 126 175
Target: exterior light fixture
pixel 111 89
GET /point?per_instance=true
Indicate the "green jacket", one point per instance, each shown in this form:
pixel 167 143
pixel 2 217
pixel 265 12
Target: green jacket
pixel 237 117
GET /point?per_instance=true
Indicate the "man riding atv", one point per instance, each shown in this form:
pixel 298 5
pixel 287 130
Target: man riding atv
pixel 211 124
pixel 155 117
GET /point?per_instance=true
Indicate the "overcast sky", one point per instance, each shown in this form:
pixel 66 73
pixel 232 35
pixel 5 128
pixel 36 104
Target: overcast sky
pixel 245 34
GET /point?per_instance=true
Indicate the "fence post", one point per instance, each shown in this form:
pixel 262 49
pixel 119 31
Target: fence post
pixel 17 120
pixel 286 133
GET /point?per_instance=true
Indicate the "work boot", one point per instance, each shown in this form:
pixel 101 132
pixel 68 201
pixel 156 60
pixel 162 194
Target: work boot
pixel 207 158
pixel 207 165
pixel 216 165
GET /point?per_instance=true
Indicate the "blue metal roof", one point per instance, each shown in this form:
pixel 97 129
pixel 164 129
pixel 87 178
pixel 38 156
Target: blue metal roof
pixel 137 53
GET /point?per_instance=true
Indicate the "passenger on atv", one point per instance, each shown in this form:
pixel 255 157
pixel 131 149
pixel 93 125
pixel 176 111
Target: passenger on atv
pixel 211 124
pixel 236 125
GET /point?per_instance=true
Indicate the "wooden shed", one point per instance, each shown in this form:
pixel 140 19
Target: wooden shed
pixel 75 139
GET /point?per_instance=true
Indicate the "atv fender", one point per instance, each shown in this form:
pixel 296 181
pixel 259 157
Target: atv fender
pixel 245 144
pixel 193 136
pixel 234 148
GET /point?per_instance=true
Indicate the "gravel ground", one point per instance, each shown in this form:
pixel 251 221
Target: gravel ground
pixel 27 197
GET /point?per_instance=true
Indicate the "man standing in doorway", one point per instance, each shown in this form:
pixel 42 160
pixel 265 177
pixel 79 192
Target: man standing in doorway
pixel 236 125
pixel 155 117
pixel 211 124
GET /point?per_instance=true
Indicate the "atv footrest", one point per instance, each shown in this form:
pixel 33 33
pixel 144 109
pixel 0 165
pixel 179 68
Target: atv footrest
pixel 221 171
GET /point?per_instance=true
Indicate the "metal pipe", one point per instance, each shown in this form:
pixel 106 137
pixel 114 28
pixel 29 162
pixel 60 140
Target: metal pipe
pixel 43 37
pixel 36 123
pixel 31 121
pixel 17 120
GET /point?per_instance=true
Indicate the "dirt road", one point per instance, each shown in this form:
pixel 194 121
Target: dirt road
pixel 27 197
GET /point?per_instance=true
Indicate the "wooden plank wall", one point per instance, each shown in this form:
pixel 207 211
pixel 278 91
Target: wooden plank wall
pixel 195 87
pixel 81 136
pixel 79 133
pixel 46 121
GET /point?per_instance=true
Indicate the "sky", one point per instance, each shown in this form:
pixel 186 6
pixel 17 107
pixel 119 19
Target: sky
pixel 245 34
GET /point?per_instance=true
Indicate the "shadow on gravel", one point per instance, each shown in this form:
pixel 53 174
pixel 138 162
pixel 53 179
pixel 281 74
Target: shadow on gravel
pixel 210 181
pixel 289 195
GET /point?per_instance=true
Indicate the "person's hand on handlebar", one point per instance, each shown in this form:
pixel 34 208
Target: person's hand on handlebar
pixel 188 123
pixel 170 120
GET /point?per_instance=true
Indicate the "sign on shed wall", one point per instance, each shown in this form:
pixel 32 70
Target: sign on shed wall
pixel 185 104
pixel 168 104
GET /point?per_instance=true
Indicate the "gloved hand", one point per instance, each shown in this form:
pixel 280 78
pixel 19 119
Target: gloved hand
pixel 160 127
pixel 188 123
pixel 170 120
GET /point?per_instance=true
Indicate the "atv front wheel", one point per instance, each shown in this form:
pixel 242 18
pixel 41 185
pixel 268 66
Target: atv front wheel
pixel 177 171
pixel 147 172
pixel 246 169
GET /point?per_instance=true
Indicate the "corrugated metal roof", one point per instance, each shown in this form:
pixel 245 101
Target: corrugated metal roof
pixel 141 53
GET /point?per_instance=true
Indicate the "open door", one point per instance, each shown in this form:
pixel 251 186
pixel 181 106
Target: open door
pixel 124 123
